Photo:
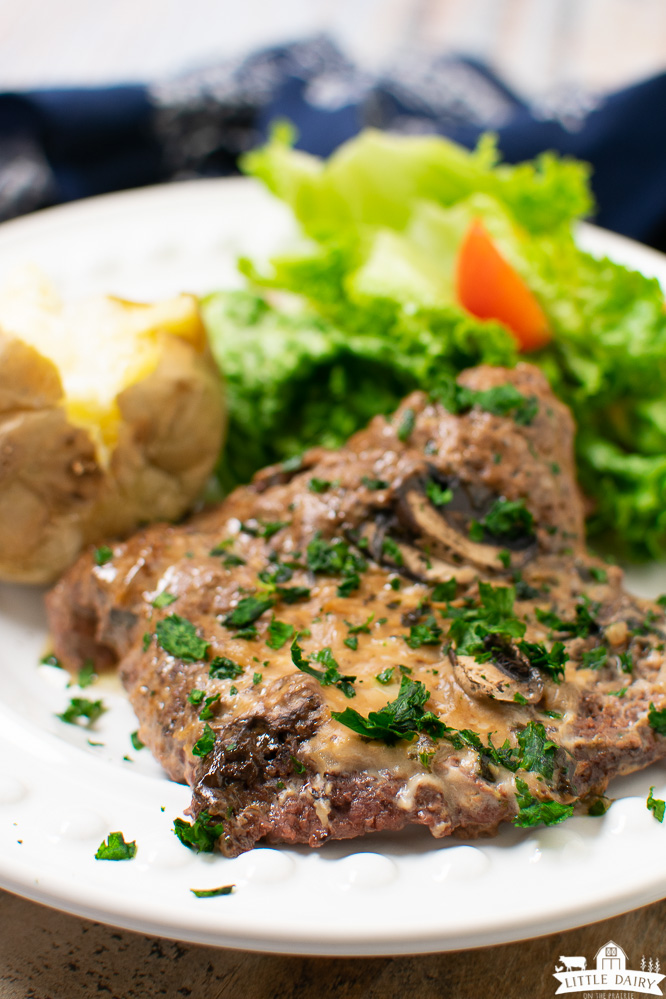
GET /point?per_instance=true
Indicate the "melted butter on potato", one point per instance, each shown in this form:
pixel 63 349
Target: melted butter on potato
pixel 99 346
pixel 111 415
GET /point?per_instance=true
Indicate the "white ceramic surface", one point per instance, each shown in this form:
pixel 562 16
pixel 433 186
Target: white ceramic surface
pixel 61 792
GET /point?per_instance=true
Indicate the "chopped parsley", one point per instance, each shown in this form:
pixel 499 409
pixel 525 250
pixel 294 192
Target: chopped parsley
pixel 550 661
pixel 257 678
pixel 136 741
pixel 330 675
pixel 518 698
pixel 506 520
pixel 230 561
pixel 599 575
pixel 221 547
pixel 437 495
pixel 196 696
pixel 298 765
pixel 248 634
pixel 247 611
pixel 357 629
pixel 425 632
pixel 501 400
pixel 523 590
pixel 599 807
pixel 618 693
pixel 265 529
pixel 626 662
pixel 279 633
pixel 537 750
pixel 349 584
pixel 86 675
pixel 374 484
pixel 163 599
pixel 212 892
pixel 207 710
pixel 402 718
pixel 656 806
pixel 271 527
pixel 103 554
pixel 178 636
pixel 277 572
pixel 351 641
pixel 316 485
pixel 80 708
pixel 534 812
pixel 443 592
pixel 583 624
pixel 334 558
pixel 146 640
pixel 407 424
pixel 386 675
pixel 115 848
pixel 492 616
pixel 292 594
pixel 51 660
pixel 392 549
pixel 657 719
pixel 205 743
pixel 595 658
pixel 222 668
pixel 200 835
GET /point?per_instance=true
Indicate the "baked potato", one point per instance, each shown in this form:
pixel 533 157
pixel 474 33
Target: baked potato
pixel 111 415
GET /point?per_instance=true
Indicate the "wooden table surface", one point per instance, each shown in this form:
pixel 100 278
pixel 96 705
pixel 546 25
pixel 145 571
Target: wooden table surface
pixel 46 954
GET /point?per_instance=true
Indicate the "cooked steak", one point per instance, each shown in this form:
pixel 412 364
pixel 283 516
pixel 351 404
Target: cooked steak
pixel 407 630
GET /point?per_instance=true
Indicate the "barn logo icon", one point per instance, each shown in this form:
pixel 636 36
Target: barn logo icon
pixel 611 974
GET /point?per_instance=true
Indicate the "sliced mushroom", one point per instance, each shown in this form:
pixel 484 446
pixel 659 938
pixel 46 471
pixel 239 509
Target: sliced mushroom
pixel 413 562
pixel 444 530
pixel 504 675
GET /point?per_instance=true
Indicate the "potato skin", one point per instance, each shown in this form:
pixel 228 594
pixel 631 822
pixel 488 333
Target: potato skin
pixel 170 439
pixel 56 497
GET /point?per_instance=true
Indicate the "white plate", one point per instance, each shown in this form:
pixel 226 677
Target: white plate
pixel 60 796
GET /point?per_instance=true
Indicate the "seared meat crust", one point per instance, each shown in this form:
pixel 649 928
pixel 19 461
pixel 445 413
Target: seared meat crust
pixel 397 504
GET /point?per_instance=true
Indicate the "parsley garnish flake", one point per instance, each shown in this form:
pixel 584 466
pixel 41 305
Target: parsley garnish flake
pixel 81 708
pixel 115 848
pixel 656 806
pixel 535 812
pixel 402 718
pixel 330 675
pixel 222 668
pixel 213 892
pixel 200 835
pixel 178 636
pixel 205 743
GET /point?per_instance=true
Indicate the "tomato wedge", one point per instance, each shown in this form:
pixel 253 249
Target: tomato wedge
pixel 489 288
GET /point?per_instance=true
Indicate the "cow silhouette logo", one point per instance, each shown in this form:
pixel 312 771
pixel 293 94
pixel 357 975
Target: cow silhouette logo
pixel 573 963
pixel 611 973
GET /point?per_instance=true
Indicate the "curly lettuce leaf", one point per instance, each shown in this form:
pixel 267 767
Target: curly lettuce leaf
pixel 375 178
pixel 386 215
pixel 295 380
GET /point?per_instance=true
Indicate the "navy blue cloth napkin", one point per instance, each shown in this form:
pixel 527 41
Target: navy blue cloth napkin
pixel 59 145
